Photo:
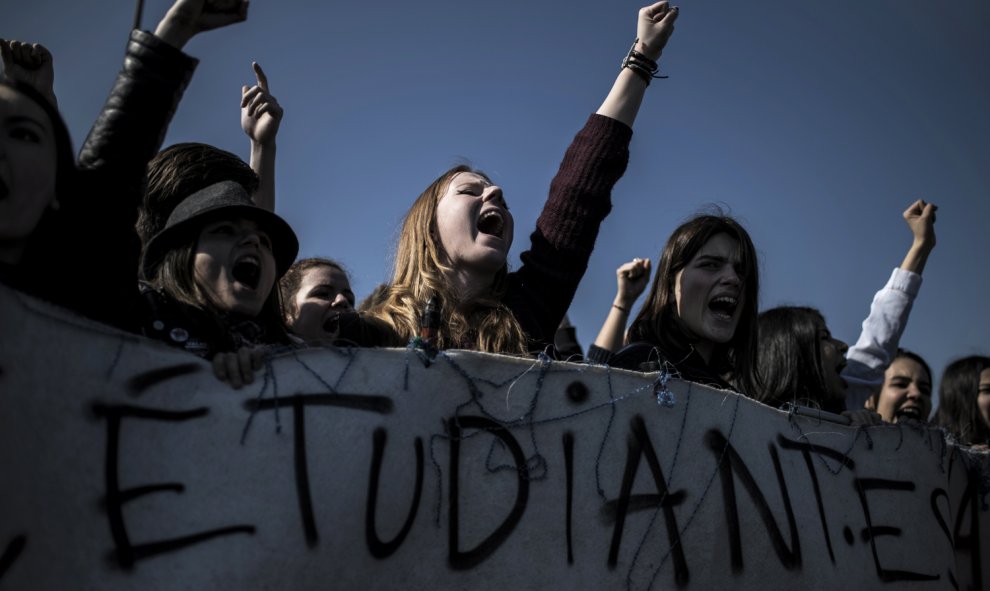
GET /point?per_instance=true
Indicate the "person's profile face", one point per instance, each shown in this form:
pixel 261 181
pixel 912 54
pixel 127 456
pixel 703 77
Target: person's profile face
pixel 27 165
pixel 474 224
pixel 833 359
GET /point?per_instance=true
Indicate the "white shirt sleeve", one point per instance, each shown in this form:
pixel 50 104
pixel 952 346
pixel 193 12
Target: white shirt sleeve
pixel 882 330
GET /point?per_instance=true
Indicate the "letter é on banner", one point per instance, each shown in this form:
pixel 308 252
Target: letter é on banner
pixel 731 463
pixel 873 531
pixel 378 548
pixel 462 560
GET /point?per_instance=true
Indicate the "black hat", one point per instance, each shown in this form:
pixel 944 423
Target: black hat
pixel 224 200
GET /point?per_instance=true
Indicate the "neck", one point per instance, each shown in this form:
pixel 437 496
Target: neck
pixel 706 349
pixel 11 253
pixel 469 286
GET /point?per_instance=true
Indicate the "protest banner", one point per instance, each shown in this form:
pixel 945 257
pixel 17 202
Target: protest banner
pixel 127 465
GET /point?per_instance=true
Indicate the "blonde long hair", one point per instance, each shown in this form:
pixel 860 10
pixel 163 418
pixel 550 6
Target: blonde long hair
pixel 420 273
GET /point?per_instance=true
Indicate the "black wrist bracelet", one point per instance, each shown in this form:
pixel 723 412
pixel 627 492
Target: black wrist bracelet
pixel 640 64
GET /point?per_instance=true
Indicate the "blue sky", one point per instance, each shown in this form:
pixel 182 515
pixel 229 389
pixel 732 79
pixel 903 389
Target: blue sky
pixel 816 124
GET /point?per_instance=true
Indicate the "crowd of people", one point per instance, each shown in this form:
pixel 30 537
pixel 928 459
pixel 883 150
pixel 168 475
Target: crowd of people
pixel 190 251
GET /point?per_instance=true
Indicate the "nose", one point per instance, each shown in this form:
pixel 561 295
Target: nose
pixel 492 193
pixel 841 346
pixel 340 302
pixel 250 236
pixel 730 276
pixel 913 391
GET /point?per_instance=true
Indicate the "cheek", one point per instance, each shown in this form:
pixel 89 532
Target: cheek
pixel 890 398
pixel 452 220
pixel 202 266
pixel 269 271
pixel 36 180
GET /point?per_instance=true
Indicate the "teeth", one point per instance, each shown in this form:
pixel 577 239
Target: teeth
pixel 492 218
pixel 726 299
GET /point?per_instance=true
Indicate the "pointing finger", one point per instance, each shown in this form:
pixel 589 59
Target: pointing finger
pixel 262 79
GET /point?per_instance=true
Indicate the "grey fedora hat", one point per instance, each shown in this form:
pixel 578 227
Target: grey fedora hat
pixel 223 200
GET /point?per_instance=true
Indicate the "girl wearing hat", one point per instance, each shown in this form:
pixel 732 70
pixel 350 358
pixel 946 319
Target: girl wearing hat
pixel 451 283
pixel 211 278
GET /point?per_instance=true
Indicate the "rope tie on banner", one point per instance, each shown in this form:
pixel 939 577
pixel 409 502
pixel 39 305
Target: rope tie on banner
pixel 269 378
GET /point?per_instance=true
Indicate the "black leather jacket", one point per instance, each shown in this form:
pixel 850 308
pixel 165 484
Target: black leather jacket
pixel 100 247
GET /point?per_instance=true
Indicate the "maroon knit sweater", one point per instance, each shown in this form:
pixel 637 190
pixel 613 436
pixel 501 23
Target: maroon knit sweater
pixel 540 292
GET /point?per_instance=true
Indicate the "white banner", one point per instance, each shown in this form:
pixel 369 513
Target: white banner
pixel 127 465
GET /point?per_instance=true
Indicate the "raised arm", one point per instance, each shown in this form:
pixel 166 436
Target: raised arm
pixel 882 329
pixel 130 129
pixel 114 158
pixel 261 116
pixel 631 278
pixel 541 291
pixel 653 29
pixel 31 64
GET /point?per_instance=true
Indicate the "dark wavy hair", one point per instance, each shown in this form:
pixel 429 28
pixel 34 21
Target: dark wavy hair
pixel 658 322
pixel 789 365
pixel 957 410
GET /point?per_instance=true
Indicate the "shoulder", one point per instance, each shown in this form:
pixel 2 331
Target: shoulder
pixel 639 356
pixel 164 319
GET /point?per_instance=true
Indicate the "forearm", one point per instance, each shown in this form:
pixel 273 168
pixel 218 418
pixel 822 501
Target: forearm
pixel 880 336
pixel 916 257
pixel 132 125
pixel 612 335
pixel 263 163
pixel 625 97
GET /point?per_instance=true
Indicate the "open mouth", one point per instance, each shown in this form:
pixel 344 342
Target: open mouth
pixel 247 271
pixel 491 223
pixel 723 307
pixel 332 324
pixel 909 412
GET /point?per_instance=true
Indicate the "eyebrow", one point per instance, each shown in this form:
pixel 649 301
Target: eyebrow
pixel 25 119
pixel 475 181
